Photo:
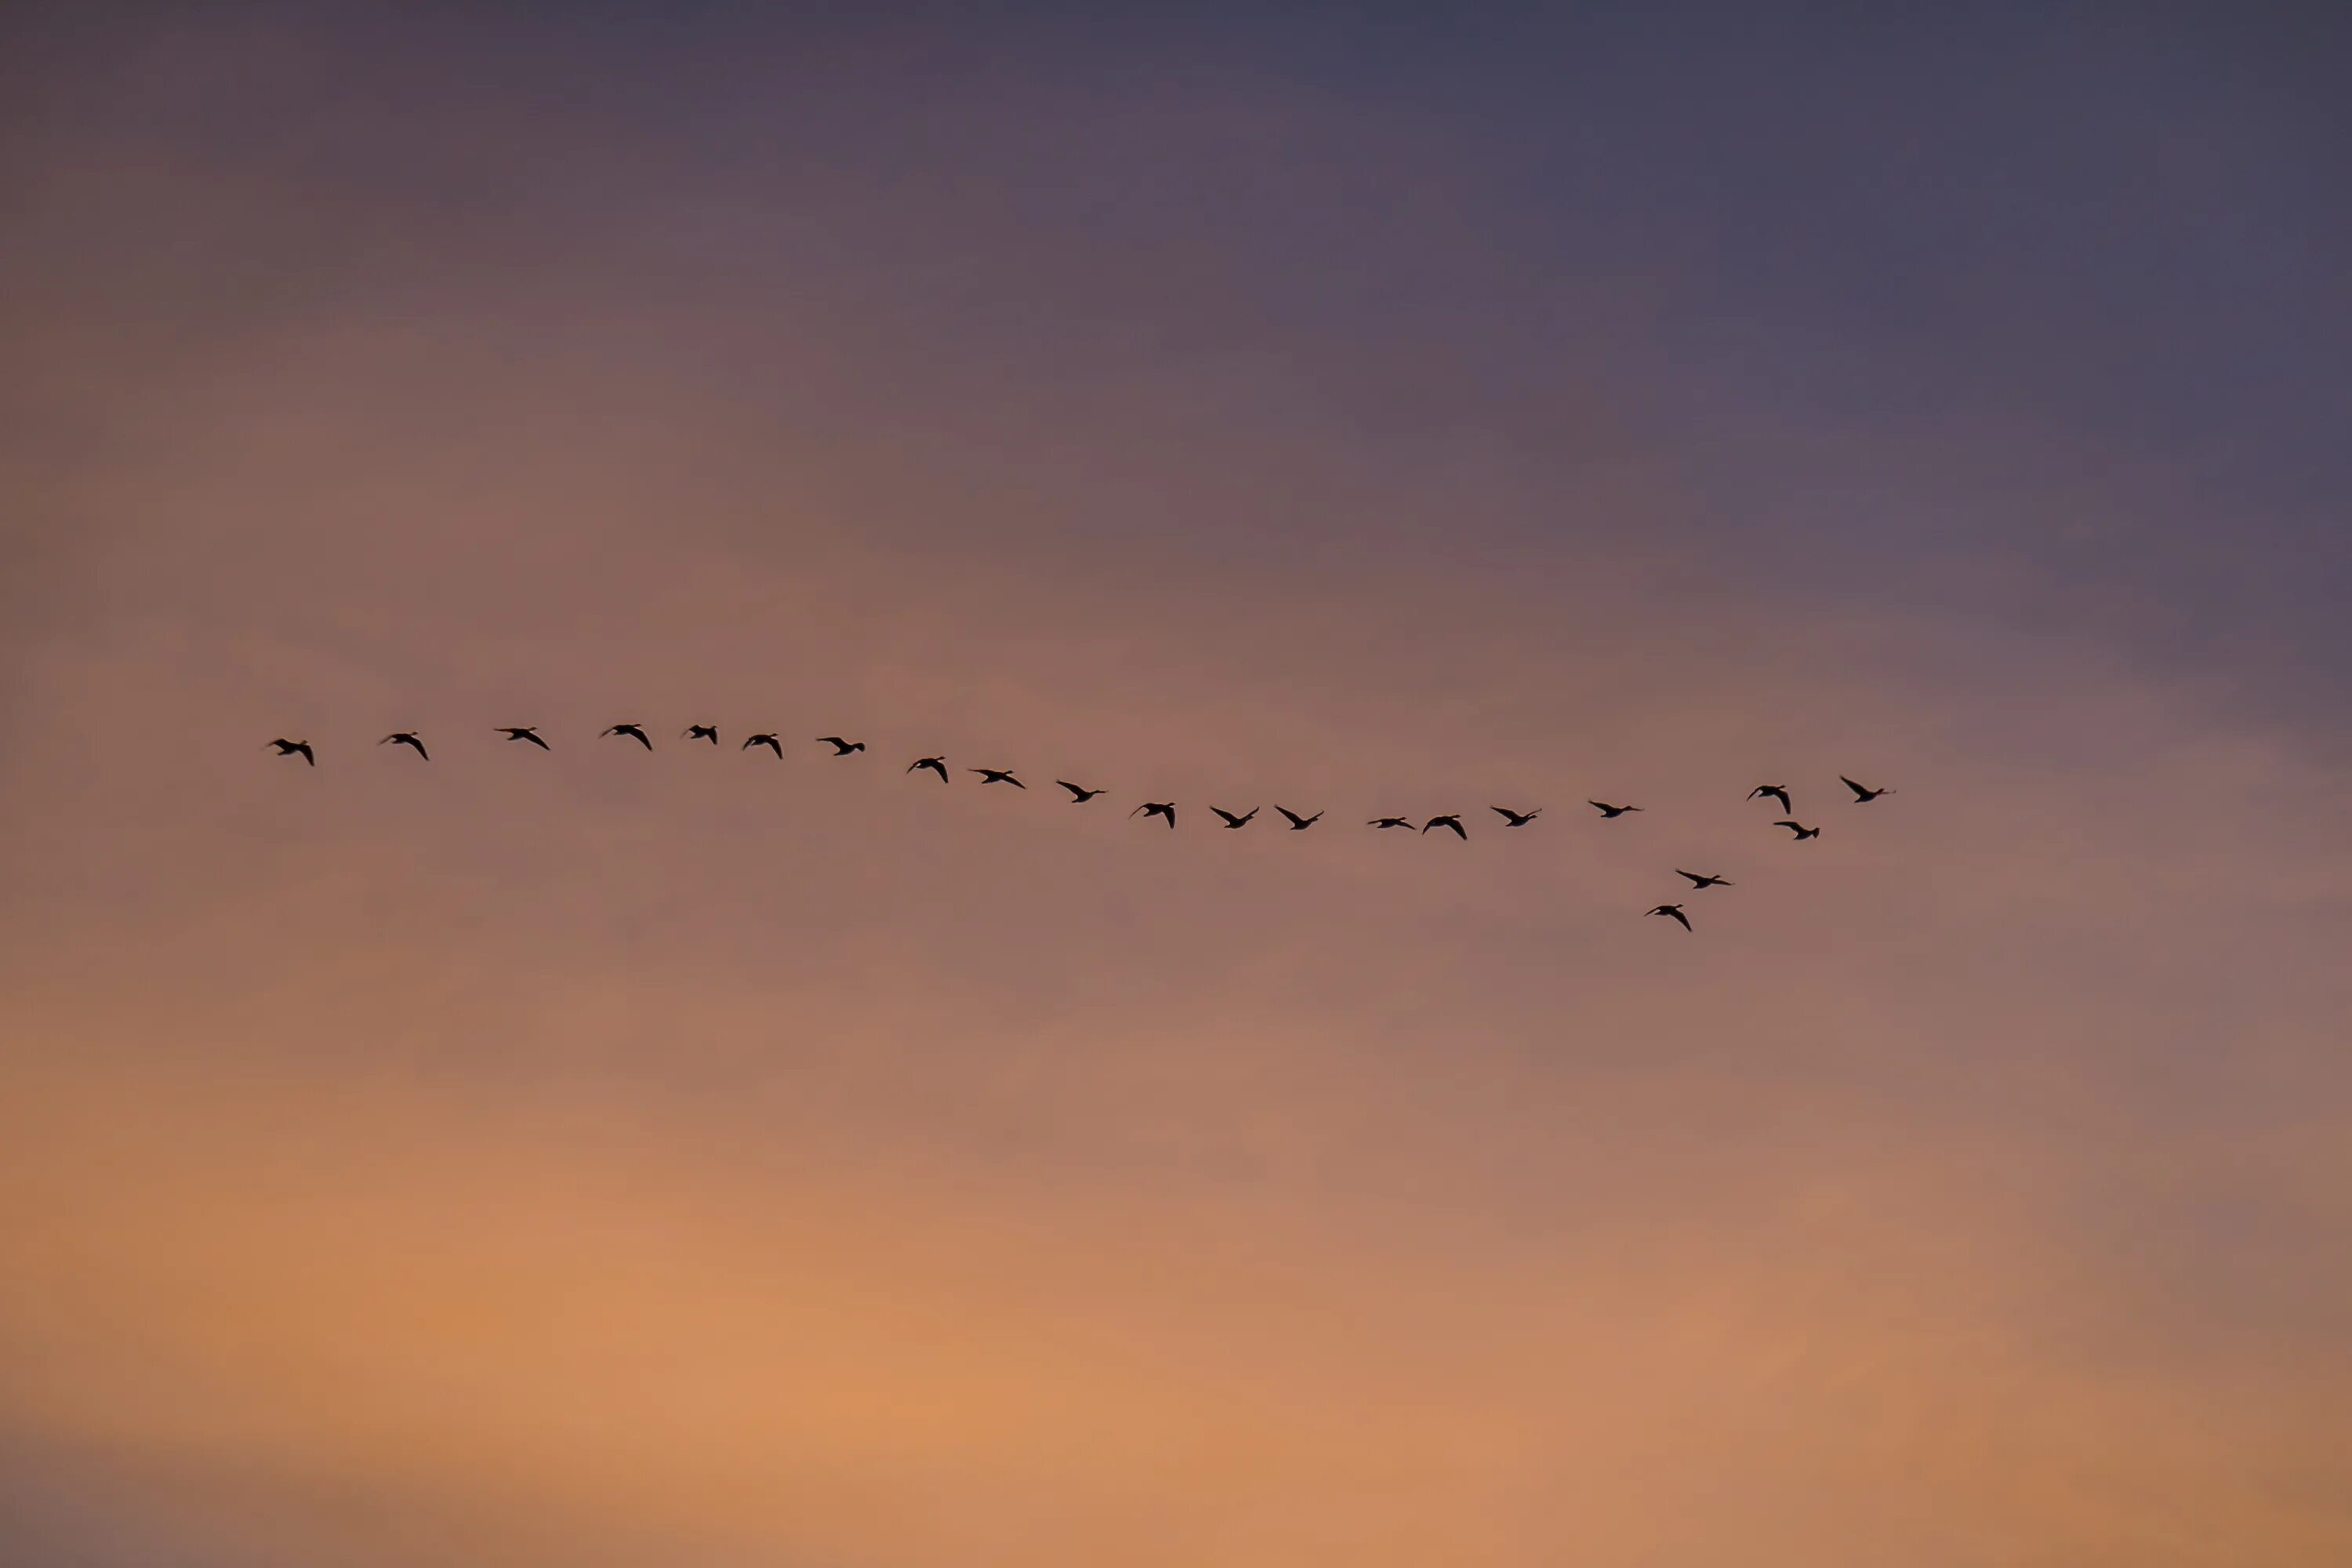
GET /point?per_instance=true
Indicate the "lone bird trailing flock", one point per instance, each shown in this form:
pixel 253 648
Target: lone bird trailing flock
pixel 1165 810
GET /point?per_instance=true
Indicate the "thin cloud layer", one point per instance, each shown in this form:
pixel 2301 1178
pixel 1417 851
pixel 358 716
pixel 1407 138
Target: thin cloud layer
pixel 611 1156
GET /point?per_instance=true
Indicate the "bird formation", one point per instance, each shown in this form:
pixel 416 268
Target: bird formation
pixel 1450 822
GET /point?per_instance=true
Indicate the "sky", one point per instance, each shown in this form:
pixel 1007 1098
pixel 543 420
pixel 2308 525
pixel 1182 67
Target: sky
pixel 607 1157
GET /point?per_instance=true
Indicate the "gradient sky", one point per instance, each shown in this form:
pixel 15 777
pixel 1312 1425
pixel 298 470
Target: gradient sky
pixel 596 1158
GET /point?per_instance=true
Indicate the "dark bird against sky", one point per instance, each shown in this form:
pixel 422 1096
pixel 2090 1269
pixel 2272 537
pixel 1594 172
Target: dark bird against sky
pixel 1080 794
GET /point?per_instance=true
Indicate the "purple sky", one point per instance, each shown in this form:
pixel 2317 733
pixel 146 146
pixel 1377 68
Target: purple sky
pixel 602 1157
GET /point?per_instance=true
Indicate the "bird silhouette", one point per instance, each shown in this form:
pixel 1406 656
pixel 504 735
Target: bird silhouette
pixel 1298 823
pixel 700 732
pixel 523 733
pixel 1799 829
pixel 296 749
pixel 1449 821
pixel 1609 811
pixel 997 775
pixel 1673 911
pixel 1233 821
pixel 841 748
pixel 1697 882
pixel 407 738
pixel 1778 792
pixel 633 731
pixel 767 739
pixel 1388 822
pixel 1516 818
pixel 1861 794
pixel 1166 808
pixel 1080 793
pixel 937 764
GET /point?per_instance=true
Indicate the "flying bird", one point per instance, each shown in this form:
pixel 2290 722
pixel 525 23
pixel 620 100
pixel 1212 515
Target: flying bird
pixel 841 748
pixel 1080 793
pixel 997 775
pixel 633 731
pixel 1778 792
pixel 1697 882
pixel 1861 794
pixel 1516 818
pixel 523 733
pixel 1673 912
pixel 1799 829
pixel 1453 822
pixel 297 749
pixel 1233 821
pixel 407 738
pixel 1388 822
pixel 700 732
pixel 1166 808
pixel 1609 811
pixel 1298 823
pixel 937 764
pixel 767 739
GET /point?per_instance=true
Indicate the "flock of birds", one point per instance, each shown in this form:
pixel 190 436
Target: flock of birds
pixel 1163 809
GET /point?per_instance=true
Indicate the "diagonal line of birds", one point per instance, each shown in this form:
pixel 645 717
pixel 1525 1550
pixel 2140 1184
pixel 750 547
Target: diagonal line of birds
pixel 1162 810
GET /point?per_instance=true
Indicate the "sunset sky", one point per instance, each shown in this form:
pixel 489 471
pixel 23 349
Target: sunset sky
pixel 612 1159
